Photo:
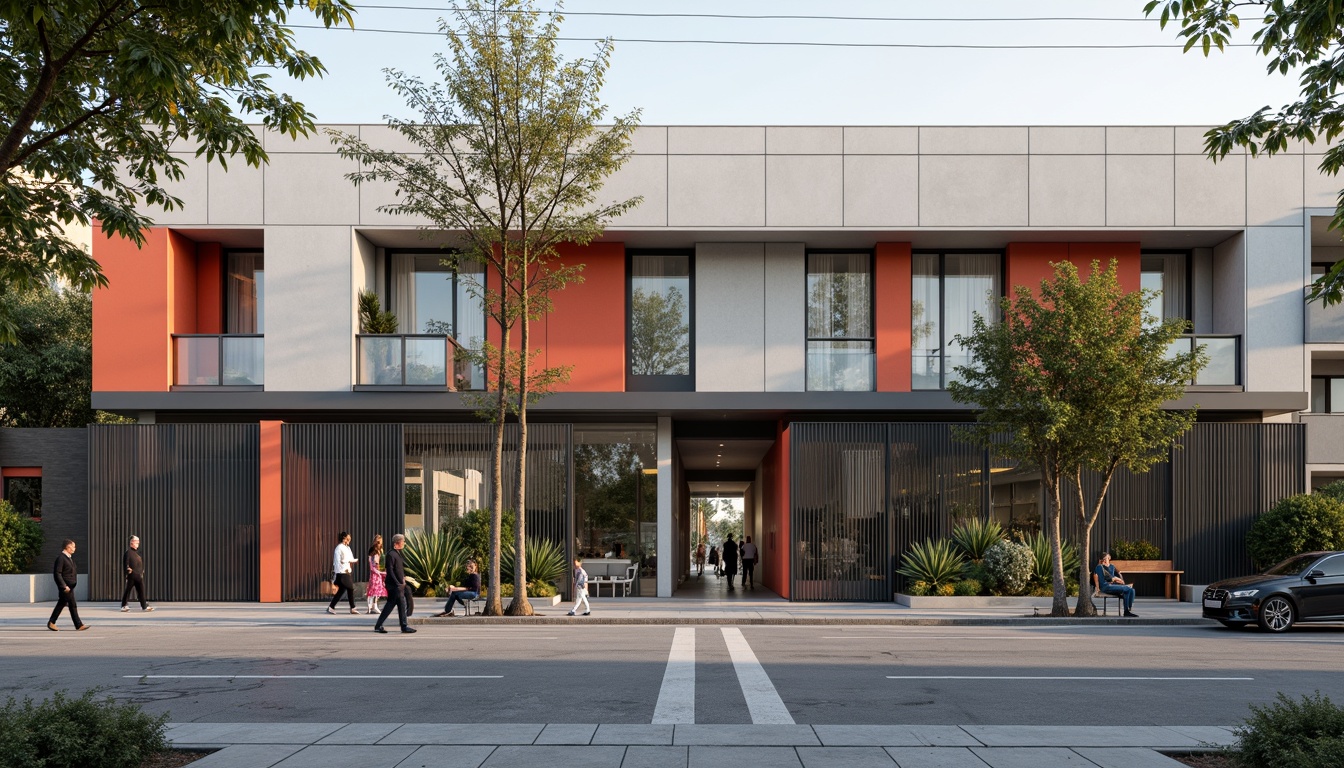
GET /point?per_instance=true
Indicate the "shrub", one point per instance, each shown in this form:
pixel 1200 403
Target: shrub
pixel 1042 567
pixel 917 589
pixel 435 560
pixel 64 732
pixel 474 530
pixel 1334 491
pixel 1011 565
pixel 967 588
pixel 972 537
pixel 20 540
pixel 1292 734
pixel 936 562
pixel 546 561
pixel 1302 523
pixel 947 590
pixel 978 572
pixel 1135 550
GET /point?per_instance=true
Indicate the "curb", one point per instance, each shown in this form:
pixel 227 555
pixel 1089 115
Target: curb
pixel 1045 621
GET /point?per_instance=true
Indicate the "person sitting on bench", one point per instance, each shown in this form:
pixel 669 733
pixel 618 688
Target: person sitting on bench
pixel 1111 582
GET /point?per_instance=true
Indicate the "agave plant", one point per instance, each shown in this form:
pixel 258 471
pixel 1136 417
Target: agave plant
pixel 933 562
pixel 546 561
pixel 434 559
pixel 1043 569
pixel 974 536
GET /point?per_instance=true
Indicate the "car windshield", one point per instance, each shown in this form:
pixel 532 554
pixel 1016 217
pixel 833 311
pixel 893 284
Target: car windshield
pixel 1292 566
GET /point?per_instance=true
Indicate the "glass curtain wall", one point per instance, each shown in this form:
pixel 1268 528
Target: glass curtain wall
pixel 616 501
pixel 430 297
pixel 840 354
pixel 948 291
pixel 660 322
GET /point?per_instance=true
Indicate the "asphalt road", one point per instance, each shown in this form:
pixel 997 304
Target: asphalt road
pixel 337 669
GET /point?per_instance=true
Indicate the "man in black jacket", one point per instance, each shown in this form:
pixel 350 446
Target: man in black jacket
pixel 66 576
pixel 398 591
pixel 134 566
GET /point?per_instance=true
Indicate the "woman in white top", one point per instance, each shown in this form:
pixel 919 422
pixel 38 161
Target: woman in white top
pixel 341 561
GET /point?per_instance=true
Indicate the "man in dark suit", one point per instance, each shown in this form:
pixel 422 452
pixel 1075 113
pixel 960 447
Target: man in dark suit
pixel 729 556
pixel 398 591
pixel 134 566
pixel 66 576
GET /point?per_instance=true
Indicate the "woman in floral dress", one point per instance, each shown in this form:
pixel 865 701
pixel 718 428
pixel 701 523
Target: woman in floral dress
pixel 377 584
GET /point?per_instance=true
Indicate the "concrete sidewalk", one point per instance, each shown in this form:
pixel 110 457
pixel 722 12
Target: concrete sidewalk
pixel 562 745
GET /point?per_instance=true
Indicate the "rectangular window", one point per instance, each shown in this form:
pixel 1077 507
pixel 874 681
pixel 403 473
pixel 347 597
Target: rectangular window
pixel 430 297
pixel 661 304
pixel 947 291
pixel 245 292
pixel 1327 394
pixel 24 494
pixel 1167 275
pixel 840 339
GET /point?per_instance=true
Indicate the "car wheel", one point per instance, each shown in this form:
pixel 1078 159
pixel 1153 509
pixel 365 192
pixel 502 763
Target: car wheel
pixel 1276 614
pixel 1233 624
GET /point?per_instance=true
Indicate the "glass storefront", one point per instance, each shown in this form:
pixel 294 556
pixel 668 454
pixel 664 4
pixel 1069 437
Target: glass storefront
pixel 616 502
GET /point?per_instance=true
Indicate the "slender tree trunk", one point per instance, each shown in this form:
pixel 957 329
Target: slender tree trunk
pixel 1060 605
pixel 520 605
pixel 1085 606
pixel 494 605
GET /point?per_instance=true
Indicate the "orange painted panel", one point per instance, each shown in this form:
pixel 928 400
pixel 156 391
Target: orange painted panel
pixel 586 327
pixel 891 316
pixel 1126 255
pixel 131 350
pixel 209 288
pixel 21 472
pixel 1030 263
pixel 182 300
pixel 270 528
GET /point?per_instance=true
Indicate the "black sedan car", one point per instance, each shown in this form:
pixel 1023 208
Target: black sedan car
pixel 1306 587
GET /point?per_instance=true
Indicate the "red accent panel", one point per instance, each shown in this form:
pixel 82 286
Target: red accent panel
pixel 891 316
pixel 270 528
pixel 1126 255
pixel 182 300
pixel 1029 264
pixel 131 350
pixel 775 542
pixel 586 327
pixel 209 288
pixel 21 472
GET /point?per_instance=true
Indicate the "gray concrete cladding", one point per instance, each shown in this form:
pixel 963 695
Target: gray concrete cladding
pixel 700 177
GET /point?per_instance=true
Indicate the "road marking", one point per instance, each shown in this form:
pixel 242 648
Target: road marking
pixel 1052 677
pixel 676 699
pixel 312 677
pixel 762 699
pixel 944 637
pixel 455 636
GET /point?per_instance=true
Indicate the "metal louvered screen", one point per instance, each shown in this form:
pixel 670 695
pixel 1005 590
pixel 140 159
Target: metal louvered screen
pixel 191 492
pixel 337 477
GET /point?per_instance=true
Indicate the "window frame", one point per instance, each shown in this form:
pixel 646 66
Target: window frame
pixel 671 382
pixel 1327 378
pixel 388 299
pixel 1189 278
pixel 224 287
pixel 942 254
pixel 871 253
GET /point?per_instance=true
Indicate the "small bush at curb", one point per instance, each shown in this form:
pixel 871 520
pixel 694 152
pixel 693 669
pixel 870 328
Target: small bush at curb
pixel 1292 734
pixel 64 732
pixel 1011 566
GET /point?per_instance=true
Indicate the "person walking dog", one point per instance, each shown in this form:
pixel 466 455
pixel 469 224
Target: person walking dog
pixel 341 561
pixel 67 576
pixel 134 564
pixel 398 591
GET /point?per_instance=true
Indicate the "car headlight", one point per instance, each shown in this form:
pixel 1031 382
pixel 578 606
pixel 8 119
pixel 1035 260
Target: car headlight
pixel 1245 593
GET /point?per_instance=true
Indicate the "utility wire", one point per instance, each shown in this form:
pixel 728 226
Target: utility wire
pixel 771 16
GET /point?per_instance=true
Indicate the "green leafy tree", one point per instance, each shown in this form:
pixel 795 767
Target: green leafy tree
pixel 511 153
pixel 1301 36
pixel 1073 381
pixel 94 92
pixel 1297 524
pixel 659 337
pixel 20 540
pixel 727 520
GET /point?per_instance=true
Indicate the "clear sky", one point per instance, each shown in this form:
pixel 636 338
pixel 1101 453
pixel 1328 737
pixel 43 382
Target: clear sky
pixel 709 84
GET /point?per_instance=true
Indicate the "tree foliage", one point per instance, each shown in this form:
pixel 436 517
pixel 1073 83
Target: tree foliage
pixel 1297 524
pixel 20 540
pixel 93 93
pixel 511 152
pixel 1073 381
pixel 1306 36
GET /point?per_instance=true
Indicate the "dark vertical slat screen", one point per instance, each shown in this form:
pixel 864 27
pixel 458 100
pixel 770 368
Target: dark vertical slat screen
pixel 191 492
pixel 936 481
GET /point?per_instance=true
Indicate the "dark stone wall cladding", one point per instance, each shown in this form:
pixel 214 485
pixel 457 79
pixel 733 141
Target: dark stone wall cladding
pixel 63 455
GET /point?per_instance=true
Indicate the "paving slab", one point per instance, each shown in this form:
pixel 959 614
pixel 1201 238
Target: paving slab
pixel 745 735
pixel 248 756
pixel 251 733
pixel 464 733
pixel 555 757
pixel 845 757
pixel 1128 757
pixel 360 733
pixel 1207 734
pixel 556 734
pixel 447 756
pixel 894 736
pixel 659 735
pixel 1031 757
pixel 346 756
pixel 656 757
pixel 756 757
pixel 1078 736
pixel 935 757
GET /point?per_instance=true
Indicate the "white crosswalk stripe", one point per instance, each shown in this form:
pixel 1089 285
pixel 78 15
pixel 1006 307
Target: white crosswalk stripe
pixel 676 699
pixel 763 701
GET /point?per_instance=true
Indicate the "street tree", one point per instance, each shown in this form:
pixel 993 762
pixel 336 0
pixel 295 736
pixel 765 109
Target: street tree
pixel 511 153
pixel 1301 36
pixel 93 93
pixel 1074 380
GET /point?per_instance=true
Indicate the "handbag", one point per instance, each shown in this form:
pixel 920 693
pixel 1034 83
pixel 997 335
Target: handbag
pixel 326 588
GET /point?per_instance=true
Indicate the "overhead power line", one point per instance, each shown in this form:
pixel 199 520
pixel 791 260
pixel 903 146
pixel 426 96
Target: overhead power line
pixel 773 16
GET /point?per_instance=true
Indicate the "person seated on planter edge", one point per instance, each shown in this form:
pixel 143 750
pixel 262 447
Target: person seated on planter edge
pixel 1111 582
pixel 470 590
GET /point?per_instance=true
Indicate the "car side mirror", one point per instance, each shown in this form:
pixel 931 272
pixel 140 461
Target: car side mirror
pixel 1315 574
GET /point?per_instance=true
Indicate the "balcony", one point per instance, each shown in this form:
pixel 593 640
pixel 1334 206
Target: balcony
pixel 1325 325
pixel 216 362
pixel 1223 371
pixel 411 362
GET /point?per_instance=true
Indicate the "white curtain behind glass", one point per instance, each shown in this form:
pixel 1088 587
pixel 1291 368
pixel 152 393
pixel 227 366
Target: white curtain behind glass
pixel 243 293
pixel 839 296
pixel 971 287
pixel 403 291
pixel 926 336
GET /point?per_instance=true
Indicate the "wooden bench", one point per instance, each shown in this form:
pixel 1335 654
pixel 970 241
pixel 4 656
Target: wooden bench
pixel 1171 578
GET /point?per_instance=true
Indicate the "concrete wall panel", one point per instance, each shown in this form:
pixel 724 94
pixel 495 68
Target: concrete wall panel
pixel 1275 357
pixel 192 189
pixel 1319 190
pixel 1209 193
pixel 716 140
pixel 316 141
pixel 881 191
pixel 804 140
pixel 310 189
pixel 881 140
pixel 235 196
pixel 973 141
pixel 730 317
pixel 975 191
pixel 1068 190
pixel 716 191
pixel 1189 140
pixel 1274 190
pixel 804 190
pixel 785 317
pixel 1139 191
pixel 310 309
pixel 649 140
pixel 1229 285
pixel 375 194
pixel 1067 140
pixel 645 176
pixel 1140 140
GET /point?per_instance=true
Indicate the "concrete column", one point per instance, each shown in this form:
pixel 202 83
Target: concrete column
pixel 667 545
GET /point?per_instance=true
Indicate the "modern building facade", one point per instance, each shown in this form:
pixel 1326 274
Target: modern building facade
pixel 775 320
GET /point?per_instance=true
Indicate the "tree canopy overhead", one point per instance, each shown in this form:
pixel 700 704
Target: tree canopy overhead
pixel 93 93
pixel 1306 36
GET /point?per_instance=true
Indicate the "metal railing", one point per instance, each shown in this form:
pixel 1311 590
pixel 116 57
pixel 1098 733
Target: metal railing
pixel 420 360
pixel 219 360
pixel 1224 352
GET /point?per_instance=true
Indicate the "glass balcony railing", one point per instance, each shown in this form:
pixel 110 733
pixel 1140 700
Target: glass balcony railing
pixel 219 360
pixel 1325 325
pixel 412 360
pixel 1224 352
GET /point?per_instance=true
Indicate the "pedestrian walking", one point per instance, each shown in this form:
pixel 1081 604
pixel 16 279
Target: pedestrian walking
pixel 67 576
pixel 377 584
pixel 134 564
pixel 749 555
pixel 341 561
pixel 398 591
pixel 729 556
pixel 580 589
pixel 700 559
pixel 715 561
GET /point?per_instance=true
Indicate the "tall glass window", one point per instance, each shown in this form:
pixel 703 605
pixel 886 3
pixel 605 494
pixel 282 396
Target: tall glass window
pixel 840 322
pixel 661 304
pixel 616 502
pixel 245 292
pixel 1166 274
pixel 947 291
pixel 430 297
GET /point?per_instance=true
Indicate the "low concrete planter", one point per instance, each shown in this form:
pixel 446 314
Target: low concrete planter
pixel 36 588
pixel 992 601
